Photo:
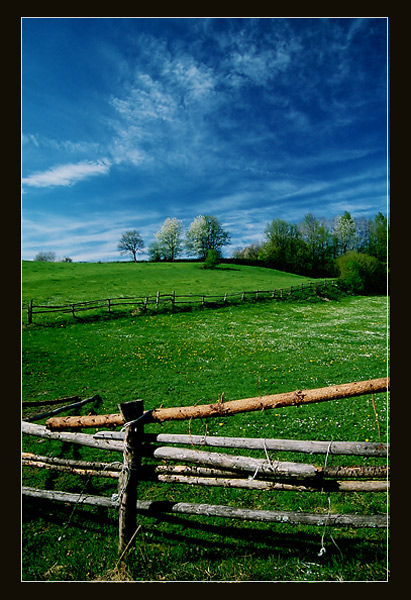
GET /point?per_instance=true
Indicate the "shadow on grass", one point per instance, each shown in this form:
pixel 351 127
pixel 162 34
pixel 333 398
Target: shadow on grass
pixel 218 540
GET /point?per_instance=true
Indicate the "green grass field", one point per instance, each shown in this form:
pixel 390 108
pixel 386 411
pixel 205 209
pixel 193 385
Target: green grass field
pixel 183 358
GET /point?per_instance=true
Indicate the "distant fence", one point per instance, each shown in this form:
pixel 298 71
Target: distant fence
pixel 205 468
pixel 173 300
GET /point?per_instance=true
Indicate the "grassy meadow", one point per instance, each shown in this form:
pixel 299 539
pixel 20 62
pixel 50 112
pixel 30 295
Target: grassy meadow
pixel 183 358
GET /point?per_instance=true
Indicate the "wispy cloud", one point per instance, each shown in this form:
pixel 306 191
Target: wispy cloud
pixel 249 119
pixel 66 175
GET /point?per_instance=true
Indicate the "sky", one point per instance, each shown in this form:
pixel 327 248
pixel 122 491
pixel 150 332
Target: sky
pixel 129 121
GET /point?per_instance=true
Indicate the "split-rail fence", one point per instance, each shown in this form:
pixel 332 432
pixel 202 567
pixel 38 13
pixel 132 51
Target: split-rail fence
pixel 171 461
pixel 173 300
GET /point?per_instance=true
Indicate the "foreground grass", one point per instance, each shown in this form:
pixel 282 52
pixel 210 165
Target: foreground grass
pixel 187 358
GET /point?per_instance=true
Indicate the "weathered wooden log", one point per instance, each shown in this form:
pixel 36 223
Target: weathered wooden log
pixel 72 406
pixel 239 463
pixel 256 484
pixel 73 470
pixel 375 471
pixel 263 466
pixel 70 497
pixel 304 446
pixel 332 485
pixel 50 402
pixel 201 476
pixel 29 456
pixel 83 439
pixel 296 398
pixel 210 510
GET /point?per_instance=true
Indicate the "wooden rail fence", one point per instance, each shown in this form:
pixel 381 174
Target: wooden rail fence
pixel 174 462
pixel 173 300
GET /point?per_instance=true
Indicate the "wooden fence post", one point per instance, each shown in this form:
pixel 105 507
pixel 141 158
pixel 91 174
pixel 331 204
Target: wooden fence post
pixel 127 486
pixel 157 299
pixel 108 305
pixel 30 312
pixel 173 299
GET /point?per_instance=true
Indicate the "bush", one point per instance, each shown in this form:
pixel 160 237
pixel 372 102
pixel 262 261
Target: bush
pixel 361 273
pixel 212 260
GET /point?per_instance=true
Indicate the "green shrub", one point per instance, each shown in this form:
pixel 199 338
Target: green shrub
pixel 212 260
pixel 361 273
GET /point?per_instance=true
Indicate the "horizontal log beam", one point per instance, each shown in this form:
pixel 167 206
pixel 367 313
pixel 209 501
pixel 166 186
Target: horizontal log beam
pixel 304 446
pixel 210 510
pixel 296 398
pixel 245 464
pixel 81 422
pixel 220 409
pixel 32 403
pixel 83 439
pixel 194 475
pixel 256 484
pixel 67 407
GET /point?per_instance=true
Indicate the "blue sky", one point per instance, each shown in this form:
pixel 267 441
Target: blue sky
pixel 128 121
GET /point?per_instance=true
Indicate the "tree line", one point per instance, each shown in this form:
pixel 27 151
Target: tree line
pixel 353 249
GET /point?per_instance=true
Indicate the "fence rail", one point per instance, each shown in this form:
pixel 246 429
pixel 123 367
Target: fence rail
pixel 173 300
pixel 204 468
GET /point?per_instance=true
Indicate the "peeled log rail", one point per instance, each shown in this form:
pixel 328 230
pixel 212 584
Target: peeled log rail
pixel 264 466
pixel 305 446
pixel 221 409
pixel 167 474
pixel 65 408
pixel 213 472
pixel 83 439
pixel 238 463
pixel 256 484
pixel 210 510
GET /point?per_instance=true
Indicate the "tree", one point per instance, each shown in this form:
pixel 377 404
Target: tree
pixel 154 252
pixel 379 237
pixel 169 239
pixel 318 240
pixel 249 252
pixel 46 256
pixel 284 248
pixel 205 233
pixel 130 243
pixel 345 232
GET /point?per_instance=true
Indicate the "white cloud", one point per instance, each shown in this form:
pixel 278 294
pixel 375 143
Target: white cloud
pixel 68 174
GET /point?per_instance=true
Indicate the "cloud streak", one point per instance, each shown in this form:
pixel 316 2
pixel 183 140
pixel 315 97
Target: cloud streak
pixel 66 175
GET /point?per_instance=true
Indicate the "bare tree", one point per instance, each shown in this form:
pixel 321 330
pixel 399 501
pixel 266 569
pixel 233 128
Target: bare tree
pixel 130 243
